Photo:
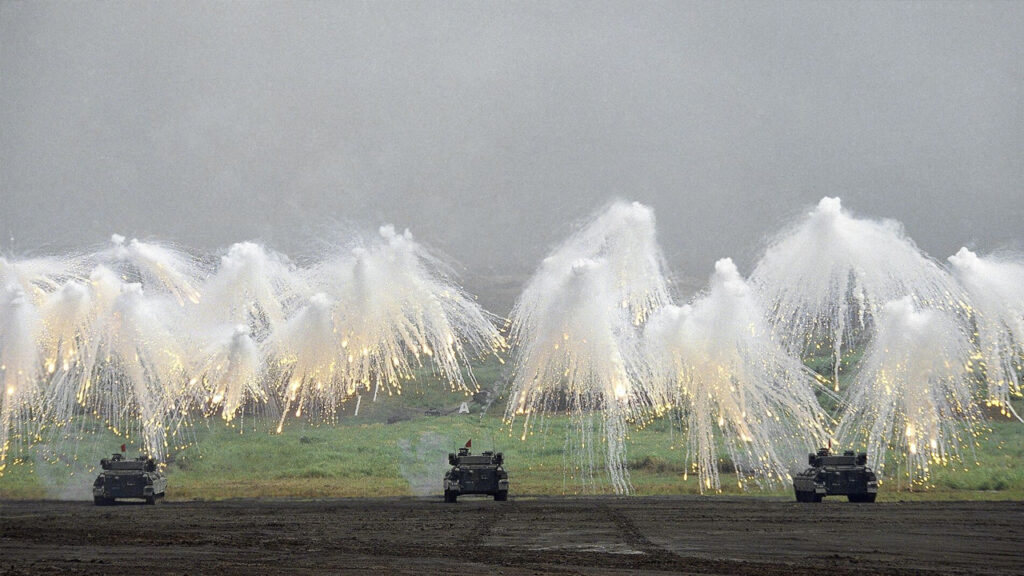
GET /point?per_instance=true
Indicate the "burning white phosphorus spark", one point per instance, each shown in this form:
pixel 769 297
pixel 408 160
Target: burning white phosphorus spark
pixel 20 389
pixel 825 280
pixel 24 287
pixel 118 355
pixel 243 304
pixel 380 312
pixel 252 286
pixel 118 344
pixel 996 289
pixel 716 363
pixel 575 328
pixel 234 372
pixel 913 393
pixel 158 268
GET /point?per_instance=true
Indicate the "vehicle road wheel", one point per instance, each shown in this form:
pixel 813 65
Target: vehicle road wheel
pixel 816 497
pixel 501 496
pixel 449 496
pixel 151 500
pixel 802 496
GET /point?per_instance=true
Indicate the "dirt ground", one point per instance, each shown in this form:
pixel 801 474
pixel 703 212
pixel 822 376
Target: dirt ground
pixel 572 535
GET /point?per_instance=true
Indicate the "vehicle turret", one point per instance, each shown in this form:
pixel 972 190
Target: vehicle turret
pixel 122 478
pixel 475 474
pixel 830 475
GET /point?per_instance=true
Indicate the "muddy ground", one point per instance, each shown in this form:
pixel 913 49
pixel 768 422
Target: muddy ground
pixel 573 535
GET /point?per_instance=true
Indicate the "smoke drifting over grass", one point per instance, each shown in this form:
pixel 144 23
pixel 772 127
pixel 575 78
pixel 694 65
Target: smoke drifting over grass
pixel 423 461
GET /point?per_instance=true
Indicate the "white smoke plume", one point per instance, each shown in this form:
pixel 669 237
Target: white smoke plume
pixel 912 401
pixel 716 363
pixel 825 280
pixel 575 330
pixel 995 286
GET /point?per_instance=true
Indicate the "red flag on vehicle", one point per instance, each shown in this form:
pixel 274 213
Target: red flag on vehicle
pixel 123 448
pixel 470 443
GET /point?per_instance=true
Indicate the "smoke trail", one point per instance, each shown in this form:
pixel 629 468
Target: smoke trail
pixel 826 279
pixel 716 363
pixel 996 290
pixel 380 313
pixel 158 268
pixel 20 327
pixel 912 395
pixel 575 331
pixel 244 303
pixel 234 372
pixel 24 286
pixel 254 287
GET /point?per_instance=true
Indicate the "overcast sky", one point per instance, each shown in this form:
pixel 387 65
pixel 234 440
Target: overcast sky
pixel 491 130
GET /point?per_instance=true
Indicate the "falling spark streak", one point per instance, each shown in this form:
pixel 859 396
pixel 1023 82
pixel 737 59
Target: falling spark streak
pixel 140 335
pixel 716 361
pixel 387 298
pixel 575 329
pixel 911 397
pixel 996 289
pixel 825 280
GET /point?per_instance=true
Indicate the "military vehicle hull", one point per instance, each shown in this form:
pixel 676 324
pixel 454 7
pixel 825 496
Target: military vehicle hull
pixel 828 475
pixel 135 479
pixel 470 474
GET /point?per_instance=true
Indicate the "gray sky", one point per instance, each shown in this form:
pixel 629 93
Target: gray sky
pixel 491 130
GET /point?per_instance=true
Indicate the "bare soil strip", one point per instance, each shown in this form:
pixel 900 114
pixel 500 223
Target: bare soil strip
pixel 573 535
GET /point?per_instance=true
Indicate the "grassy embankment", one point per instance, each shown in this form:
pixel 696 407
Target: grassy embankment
pixel 365 455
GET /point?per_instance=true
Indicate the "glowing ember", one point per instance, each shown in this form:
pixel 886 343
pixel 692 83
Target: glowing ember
pixel 575 329
pixel 825 280
pixel 716 363
pixel 912 394
pixel 996 289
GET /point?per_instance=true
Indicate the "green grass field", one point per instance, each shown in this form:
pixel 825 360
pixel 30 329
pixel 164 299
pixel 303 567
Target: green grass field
pixel 392 448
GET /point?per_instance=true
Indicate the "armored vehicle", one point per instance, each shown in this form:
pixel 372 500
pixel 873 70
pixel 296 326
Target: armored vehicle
pixel 120 478
pixel 836 476
pixel 471 474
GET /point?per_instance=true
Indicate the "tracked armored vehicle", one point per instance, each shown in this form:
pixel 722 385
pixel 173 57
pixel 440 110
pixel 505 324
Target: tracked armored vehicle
pixel 482 474
pixel 831 475
pixel 121 478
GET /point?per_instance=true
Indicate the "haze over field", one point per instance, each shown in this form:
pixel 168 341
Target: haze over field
pixel 493 131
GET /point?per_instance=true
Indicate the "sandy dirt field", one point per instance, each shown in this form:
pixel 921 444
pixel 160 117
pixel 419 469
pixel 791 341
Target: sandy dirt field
pixel 577 535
